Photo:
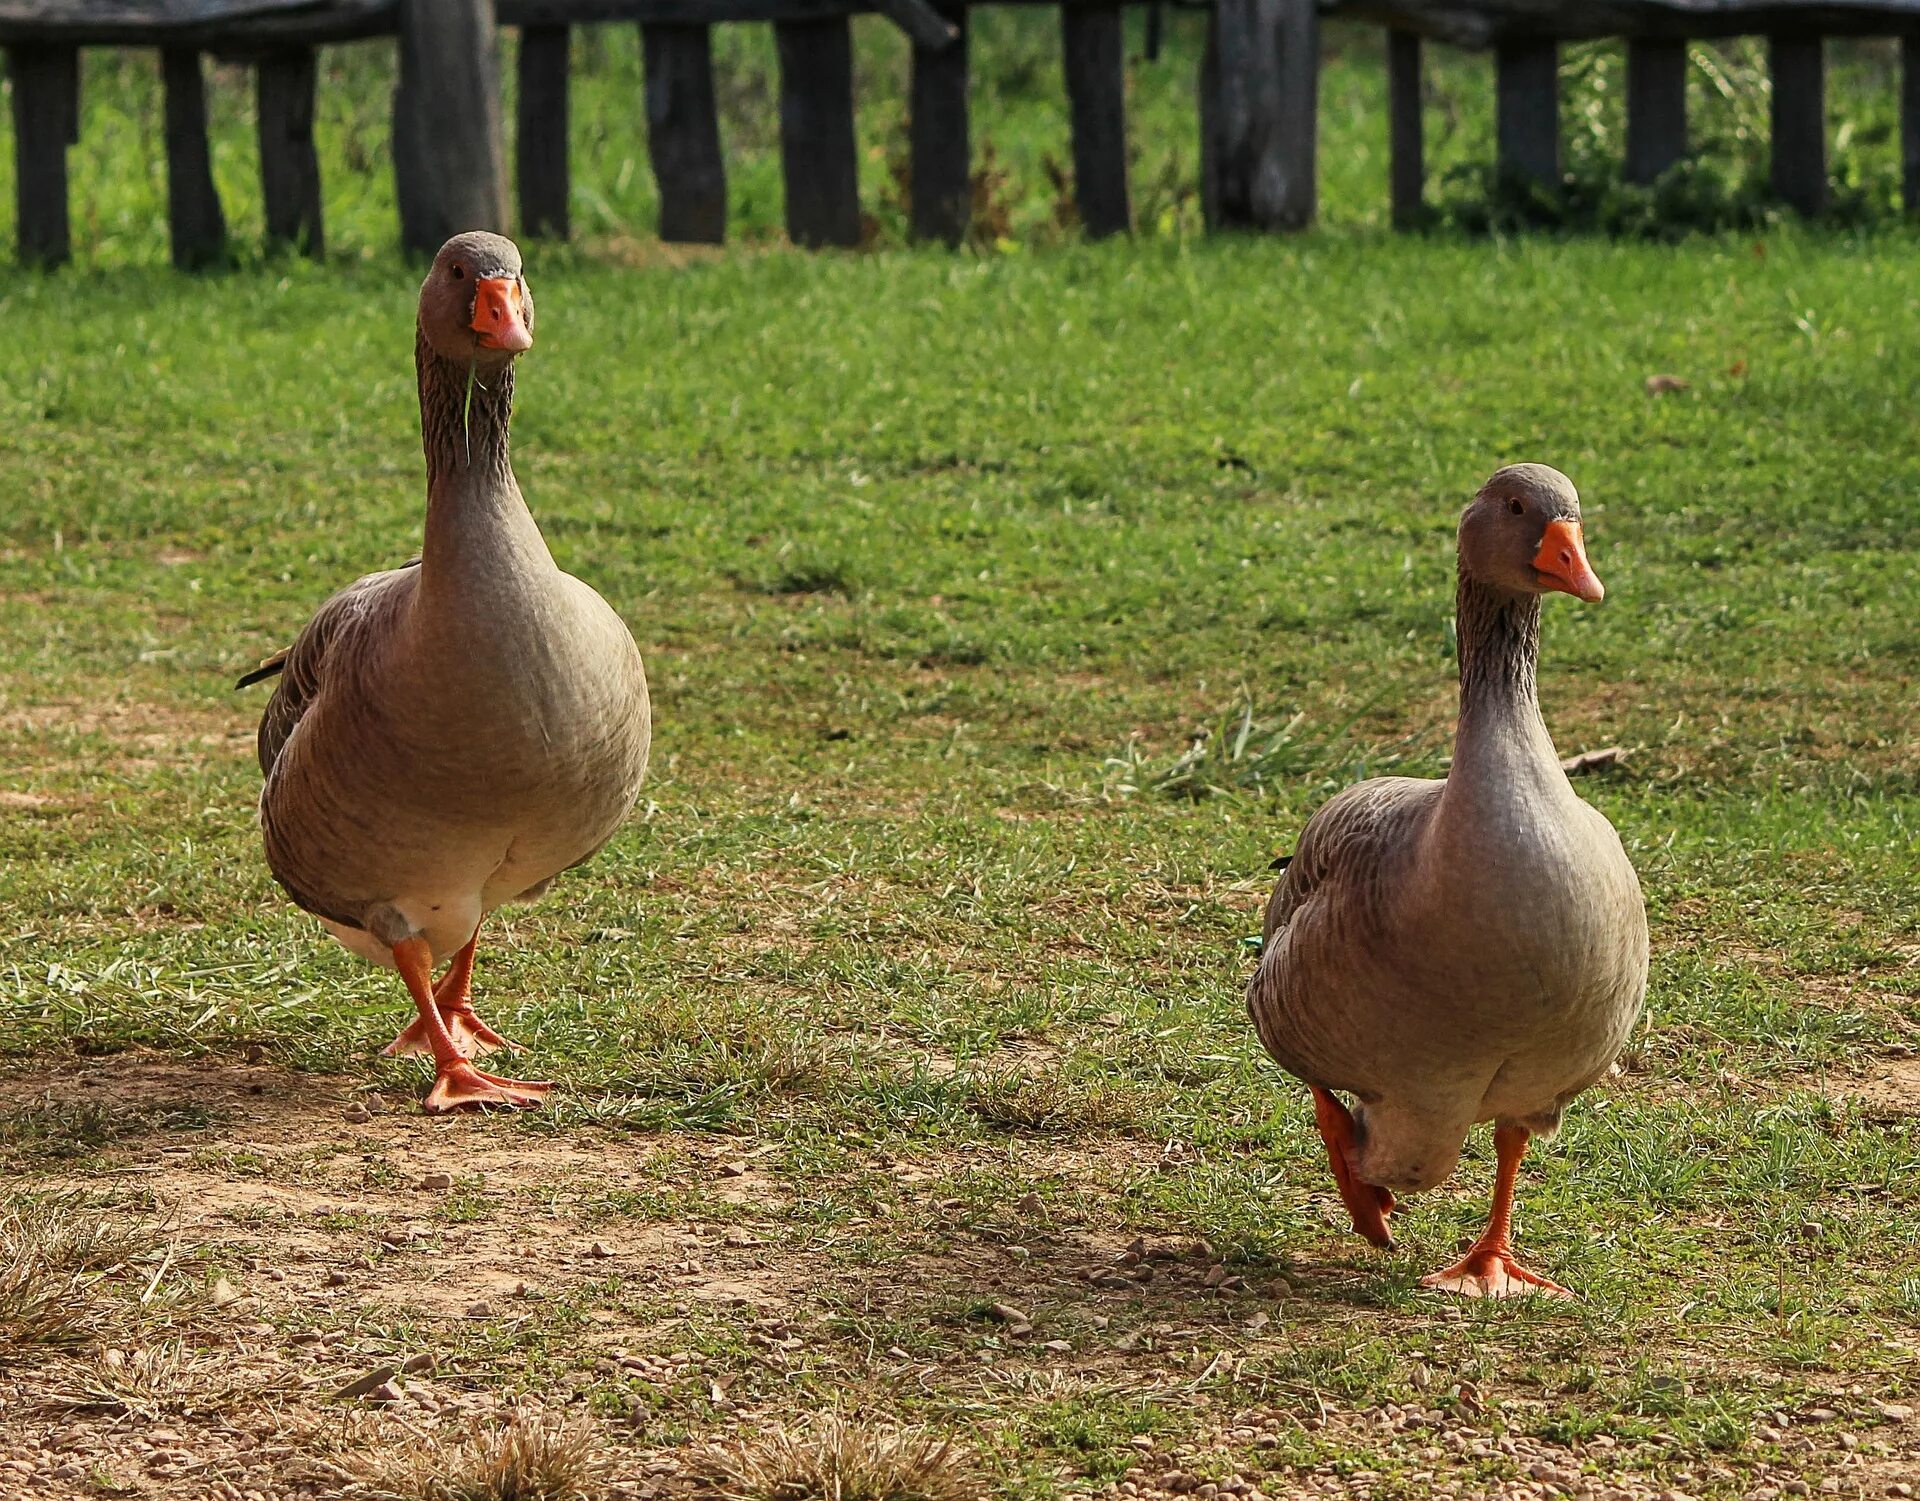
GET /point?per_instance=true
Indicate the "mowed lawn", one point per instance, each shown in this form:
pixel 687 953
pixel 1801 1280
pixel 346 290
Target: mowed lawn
pixel 911 998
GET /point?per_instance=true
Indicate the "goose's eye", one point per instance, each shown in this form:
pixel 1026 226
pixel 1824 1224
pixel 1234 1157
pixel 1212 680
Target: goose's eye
pixel 459 271
pixel 1515 507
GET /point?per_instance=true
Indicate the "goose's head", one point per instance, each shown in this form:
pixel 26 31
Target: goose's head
pixel 1522 535
pixel 474 304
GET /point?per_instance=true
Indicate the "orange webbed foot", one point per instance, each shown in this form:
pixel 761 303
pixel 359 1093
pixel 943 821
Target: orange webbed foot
pixel 1368 1204
pixel 413 1039
pixel 468 1029
pixel 452 999
pixel 460 1085
pixel 470 1035
pixel 1490 1271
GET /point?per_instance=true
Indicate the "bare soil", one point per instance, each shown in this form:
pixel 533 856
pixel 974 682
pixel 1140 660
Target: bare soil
pixel 448 1274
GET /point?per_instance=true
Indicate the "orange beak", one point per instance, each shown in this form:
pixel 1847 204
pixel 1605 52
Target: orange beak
pixel 497 317
pixel 1562 562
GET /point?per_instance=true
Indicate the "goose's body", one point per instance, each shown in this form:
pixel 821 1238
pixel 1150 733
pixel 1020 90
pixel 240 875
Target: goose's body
pixel 449 736
pixel 1466 950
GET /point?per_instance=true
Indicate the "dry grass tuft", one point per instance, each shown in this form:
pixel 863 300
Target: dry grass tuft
pixel 50 1127
pixel 1017 1100
pixel 842 1458
pixel 56 1249
pixel 75 1231
pixel 164 1380
pixel 42 1306
pixel 532 1459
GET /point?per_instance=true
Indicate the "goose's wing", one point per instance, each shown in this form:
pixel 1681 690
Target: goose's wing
pixel 301 668
pixel 1326 919
pixel 1351 844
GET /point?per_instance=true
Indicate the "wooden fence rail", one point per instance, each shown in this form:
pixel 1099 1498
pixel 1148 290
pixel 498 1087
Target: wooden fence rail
pixel 1258 102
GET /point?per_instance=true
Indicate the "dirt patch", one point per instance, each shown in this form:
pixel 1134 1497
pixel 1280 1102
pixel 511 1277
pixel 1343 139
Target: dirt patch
pixel 648 254
pixel 288 1177
pixel 27 800
pixel 141 735
pixel 671 1291
pixel 1891 1089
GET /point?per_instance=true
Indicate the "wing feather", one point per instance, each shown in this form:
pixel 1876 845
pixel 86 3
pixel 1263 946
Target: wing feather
pixel 301 667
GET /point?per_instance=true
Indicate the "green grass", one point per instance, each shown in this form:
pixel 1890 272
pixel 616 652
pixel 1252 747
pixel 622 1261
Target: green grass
pixel 1071 510
pixel 940 565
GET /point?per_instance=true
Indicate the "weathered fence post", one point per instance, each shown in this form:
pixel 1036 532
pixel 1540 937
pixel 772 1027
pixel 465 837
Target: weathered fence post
pixel 817 151
pixel 448 163
pixel 540 145
pixel 1799 167
pixel 1262 72
pixel 1910 123
pixel 1091 41
pixel 198 229
pixel 1656 106
pixel 46 120
pixel 683 132
pixel 941 161
pixel 1527 110
pixel 289 166
pixel 1406 138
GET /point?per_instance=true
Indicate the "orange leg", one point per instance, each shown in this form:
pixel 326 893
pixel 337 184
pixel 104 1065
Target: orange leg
pixel 1489 1270
pixel 453 998
pixel 456 1081
pixel 1368 1204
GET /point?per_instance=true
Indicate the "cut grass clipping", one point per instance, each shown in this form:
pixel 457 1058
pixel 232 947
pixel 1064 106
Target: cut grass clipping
pixel 842 1458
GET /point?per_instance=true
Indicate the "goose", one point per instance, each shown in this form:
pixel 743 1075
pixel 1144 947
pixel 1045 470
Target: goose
pixel 451 734
pixel 1469 949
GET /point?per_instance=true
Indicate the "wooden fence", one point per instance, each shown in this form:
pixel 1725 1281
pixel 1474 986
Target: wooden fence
pixel 1526 36
pixel 1258 101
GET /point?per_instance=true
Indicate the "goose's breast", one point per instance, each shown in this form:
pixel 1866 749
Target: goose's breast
pixel 1563 970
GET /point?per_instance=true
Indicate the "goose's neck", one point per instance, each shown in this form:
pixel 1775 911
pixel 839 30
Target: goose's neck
pixel 1501 736
pixel 464 417
pixel 477 522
